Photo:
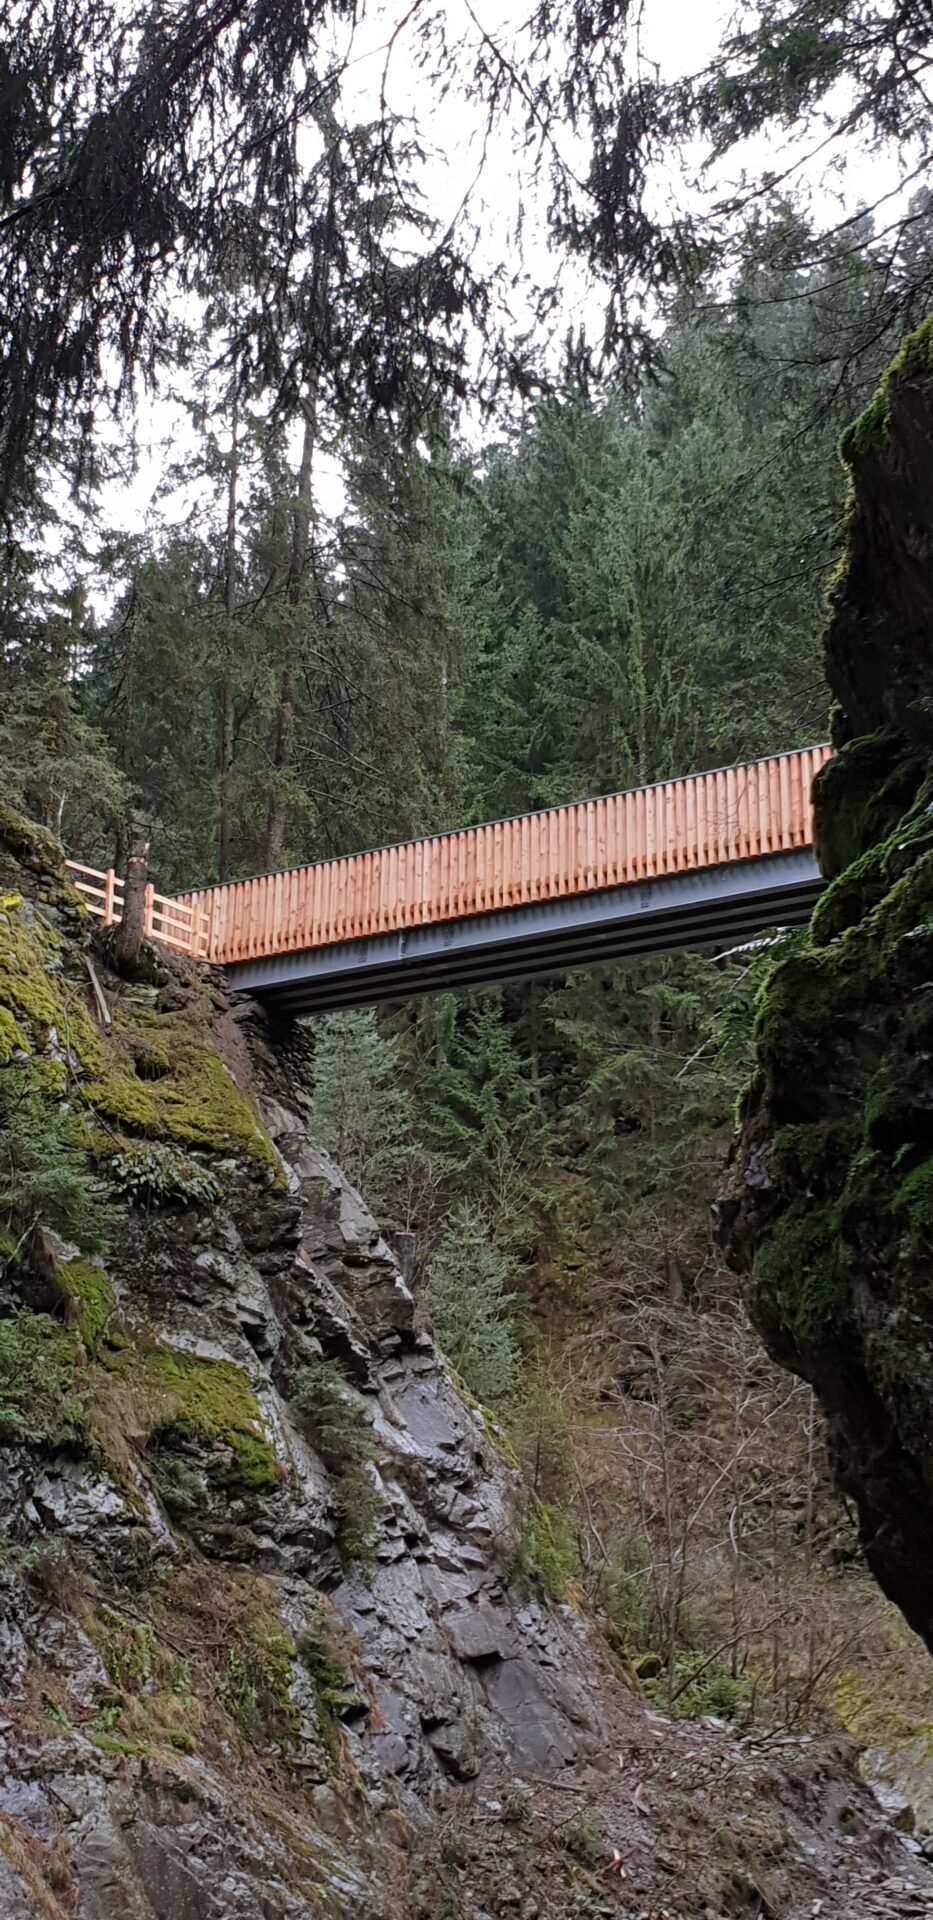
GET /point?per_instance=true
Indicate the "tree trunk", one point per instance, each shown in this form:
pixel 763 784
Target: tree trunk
pixel 227 717
pixel 294 585
pixel 130 931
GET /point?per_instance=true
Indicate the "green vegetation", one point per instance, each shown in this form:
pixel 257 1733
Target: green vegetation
pixel 45 1180
pixel 544 1549
pixel 195 1103
pixel 84 1289
pixel 469 1303
pixel 360 1108
pixel 193 1402
pixel 156 1174
pixel 325 1648
pixel 339 1429
pixel 43 1398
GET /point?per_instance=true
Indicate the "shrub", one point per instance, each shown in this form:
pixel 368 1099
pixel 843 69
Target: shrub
pixel 337 1425
pixel 151 1174
pixel 545 1550
pixel 41 1398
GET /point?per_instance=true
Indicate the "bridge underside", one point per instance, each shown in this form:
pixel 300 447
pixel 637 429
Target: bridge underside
pixel 704 908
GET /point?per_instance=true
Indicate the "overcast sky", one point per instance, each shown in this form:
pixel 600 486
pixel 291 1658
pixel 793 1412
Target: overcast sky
pixel 680 35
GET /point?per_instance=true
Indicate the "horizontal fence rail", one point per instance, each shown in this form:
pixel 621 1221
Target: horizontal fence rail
pixel 704 820
pixel 173 922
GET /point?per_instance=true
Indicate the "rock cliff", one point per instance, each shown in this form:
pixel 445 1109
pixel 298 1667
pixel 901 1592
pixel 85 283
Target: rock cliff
pixel 264 1653
pixel 829 1206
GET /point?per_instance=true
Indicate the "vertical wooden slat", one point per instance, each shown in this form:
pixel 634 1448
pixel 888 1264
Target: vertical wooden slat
pixel 735 814
pixel 732 815
pixel 797 799
pixel 690 823
pixel 761 807
pixel 786 840
pixel 651 832
pixel 741 813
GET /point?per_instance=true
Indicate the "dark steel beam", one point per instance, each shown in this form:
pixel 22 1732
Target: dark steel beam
pixel 701 908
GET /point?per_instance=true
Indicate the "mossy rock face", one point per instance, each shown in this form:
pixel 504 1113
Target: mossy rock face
pixel 25 845
pixel 156 1073
pixel 828 1210
pixel 186 1402
pixel 879 644
pixel 87 1297
pixel 160 1075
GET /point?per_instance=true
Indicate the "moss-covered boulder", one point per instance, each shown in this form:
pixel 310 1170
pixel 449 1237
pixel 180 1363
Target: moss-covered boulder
pixel 829 1205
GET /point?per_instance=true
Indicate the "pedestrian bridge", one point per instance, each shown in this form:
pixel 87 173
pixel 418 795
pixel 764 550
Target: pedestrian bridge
pixel 701 862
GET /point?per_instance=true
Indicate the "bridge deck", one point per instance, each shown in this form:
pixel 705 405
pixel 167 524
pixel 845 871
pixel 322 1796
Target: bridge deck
pixel 710 857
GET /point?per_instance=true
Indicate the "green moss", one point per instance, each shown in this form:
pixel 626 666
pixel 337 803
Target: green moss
pixel 870 431
pixel 799 1275
pixel 845 1038
pixel 190 1399
pixel 31 844
pixel 30 971
pixel 12 1038
pixel 114 1742
pixel 37 997
pixel 43 1390
pixel 544 1549
pixel 194 1102
pixel 872 1717
pixel 860 796
pixel 85 1283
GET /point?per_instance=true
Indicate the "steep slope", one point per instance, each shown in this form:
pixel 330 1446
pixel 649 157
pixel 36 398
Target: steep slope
pixel 829 1208
pixel 263 1652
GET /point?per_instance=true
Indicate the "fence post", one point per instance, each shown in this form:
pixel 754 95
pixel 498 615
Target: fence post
pixel 147 910
pixel 212 917
pixel 108 896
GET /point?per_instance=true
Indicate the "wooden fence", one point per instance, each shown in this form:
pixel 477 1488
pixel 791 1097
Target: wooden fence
pixel 705 820
pixel 179 923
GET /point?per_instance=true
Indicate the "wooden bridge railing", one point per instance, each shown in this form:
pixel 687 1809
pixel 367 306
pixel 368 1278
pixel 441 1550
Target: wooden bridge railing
pixel 174 922
pixel 704 820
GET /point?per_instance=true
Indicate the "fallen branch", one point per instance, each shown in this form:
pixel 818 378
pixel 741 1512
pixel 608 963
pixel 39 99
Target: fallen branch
pixel 98 993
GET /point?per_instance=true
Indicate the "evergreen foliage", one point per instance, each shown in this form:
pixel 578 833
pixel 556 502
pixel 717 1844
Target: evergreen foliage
pixel 338 1427
pixel 360 1109
pixel 468 1297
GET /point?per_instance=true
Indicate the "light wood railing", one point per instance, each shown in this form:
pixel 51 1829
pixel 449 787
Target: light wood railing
pixel 704 820
pixel 174 922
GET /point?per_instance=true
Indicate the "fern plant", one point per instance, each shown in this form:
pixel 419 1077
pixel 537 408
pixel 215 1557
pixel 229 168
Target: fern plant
pixel 44 1177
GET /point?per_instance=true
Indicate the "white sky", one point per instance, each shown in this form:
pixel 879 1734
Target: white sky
pixel 680 35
